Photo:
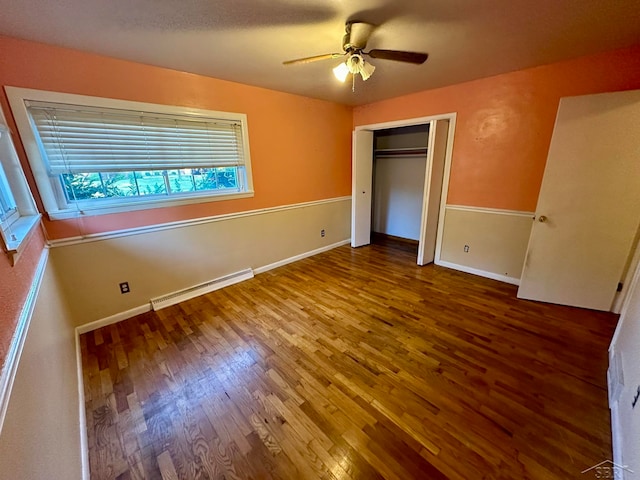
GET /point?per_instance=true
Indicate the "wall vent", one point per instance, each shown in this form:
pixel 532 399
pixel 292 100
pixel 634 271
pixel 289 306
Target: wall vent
pixel 197 290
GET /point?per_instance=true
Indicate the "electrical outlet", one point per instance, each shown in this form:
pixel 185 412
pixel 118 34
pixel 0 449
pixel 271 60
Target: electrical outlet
pixel 322 232
pixel 124 287
pixel 466 249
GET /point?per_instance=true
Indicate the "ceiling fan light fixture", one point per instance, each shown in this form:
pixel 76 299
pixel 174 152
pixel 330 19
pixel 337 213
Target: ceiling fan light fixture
pixel 341 71
pixel 354 44
pixel 367 70
pixel 356 64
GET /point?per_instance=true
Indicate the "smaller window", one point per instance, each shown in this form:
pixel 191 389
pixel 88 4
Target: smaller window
pixel 8 207
pixel 18 214
pixel 96 155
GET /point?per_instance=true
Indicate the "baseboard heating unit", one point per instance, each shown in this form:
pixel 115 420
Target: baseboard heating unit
pixel 197 290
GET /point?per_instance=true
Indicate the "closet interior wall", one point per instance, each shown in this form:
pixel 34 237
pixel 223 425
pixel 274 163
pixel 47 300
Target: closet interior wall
pixel 400 159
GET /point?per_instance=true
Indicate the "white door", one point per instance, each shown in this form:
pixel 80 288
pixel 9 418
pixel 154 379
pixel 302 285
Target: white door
pixel 588 211
pixel 436 153
pixel 361 174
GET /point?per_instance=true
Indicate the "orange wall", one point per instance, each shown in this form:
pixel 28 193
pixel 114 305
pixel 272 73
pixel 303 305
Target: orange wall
pixel 14 286
pixel 300 147
pixel 504 123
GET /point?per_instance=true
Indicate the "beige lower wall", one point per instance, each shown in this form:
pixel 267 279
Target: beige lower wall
pixel 164 261
pixel 497 240
pixel 41 433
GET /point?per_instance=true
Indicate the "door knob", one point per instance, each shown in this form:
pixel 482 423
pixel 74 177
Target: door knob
pixel 542 219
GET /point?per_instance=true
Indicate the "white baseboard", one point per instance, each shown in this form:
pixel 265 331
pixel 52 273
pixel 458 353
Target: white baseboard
pixel 12 360
pixel 103 322
pixel 295 258
pixel 84 442
pixel 481 273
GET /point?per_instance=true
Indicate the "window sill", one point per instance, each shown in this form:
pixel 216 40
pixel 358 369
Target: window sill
pixel 21 230
pixel 141 205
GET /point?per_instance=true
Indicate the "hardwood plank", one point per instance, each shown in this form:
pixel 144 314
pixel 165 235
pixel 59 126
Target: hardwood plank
pixel 353 364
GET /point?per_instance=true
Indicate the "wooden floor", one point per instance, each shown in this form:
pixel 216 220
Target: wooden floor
pixel 353 364
pixel 396 243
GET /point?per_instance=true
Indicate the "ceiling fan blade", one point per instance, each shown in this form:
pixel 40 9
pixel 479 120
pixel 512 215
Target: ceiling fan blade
pixel 315 58
pixel 357 35
pixel 399 56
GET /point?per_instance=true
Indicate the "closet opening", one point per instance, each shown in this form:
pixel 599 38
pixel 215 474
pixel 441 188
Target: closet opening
pixel 402 198
pixel 399 167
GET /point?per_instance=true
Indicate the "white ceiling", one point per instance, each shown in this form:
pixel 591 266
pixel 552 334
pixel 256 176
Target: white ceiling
pixel 247 40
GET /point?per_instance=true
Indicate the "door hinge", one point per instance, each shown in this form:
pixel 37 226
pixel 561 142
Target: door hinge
pixel 620 285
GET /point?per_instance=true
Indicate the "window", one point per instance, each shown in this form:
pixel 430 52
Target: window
pixel 95 155
pixel 18 213
pixel 8 207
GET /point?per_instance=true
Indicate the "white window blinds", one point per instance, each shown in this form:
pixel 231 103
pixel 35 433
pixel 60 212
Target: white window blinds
pixel 80 139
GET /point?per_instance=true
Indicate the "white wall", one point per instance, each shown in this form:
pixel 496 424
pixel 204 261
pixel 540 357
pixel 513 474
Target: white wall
pixel 41 433
pixel 398 188
pixel 497 241
pixel 163 261
pixel 625 419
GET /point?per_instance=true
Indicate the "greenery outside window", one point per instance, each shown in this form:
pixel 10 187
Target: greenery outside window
pixel 94 155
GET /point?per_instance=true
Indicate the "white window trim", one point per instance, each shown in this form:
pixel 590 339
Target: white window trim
pixel 16 230
pixel 21 229
pixel 17 97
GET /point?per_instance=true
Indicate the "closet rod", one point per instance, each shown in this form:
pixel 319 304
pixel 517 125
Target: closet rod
pixel 399 152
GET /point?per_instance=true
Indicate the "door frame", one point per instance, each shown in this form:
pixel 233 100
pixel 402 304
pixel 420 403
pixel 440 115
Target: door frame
pixel 445 177
pixel 633 270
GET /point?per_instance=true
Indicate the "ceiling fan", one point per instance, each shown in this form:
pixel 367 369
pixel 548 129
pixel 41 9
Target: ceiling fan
pixel 353 44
